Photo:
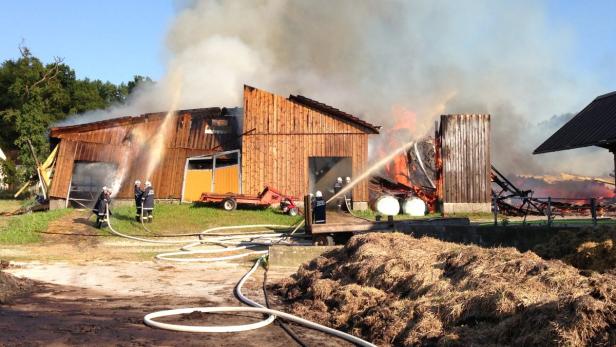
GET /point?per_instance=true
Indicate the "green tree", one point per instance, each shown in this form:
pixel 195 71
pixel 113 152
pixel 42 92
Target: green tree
pixel 34 95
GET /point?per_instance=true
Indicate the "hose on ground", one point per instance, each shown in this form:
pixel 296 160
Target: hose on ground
pixel 280 322
pixel 149 319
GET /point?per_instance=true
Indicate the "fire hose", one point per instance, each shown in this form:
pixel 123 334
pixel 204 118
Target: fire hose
pixel 149 319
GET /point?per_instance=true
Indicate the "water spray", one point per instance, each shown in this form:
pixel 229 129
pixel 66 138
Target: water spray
pixel 157 149
pixel 376 166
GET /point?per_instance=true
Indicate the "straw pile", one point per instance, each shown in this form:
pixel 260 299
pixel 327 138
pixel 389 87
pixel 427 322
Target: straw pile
pixel 393 289
pixel 11 287
pixel 586 249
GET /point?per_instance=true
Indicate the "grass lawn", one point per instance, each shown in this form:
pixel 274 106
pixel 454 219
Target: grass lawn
pixel 185 218
pixel 25 228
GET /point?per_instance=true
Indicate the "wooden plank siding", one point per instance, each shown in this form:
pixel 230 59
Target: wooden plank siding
pixel 118 141
pixel 466 158
pixel 285 134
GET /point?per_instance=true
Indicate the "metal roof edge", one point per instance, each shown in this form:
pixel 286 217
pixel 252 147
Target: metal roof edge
pixel 606 95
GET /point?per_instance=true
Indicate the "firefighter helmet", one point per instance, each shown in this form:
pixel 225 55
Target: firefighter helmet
pixel 339 179
pixel 148 183
pixel 137 182
pixel 318 194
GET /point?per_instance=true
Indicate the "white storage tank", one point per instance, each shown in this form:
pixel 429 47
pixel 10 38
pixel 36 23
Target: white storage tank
pixel 414 207
pixel 386 205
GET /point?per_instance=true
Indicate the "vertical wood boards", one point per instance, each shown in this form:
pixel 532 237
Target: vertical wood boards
pixel 466 158
pixel 286 134
pixel 115 140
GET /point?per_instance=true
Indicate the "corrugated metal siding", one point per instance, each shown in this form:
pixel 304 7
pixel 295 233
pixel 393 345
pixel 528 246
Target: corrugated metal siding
pixel 187 137
pixel 285 135
pixel 466 158
pixel 595 125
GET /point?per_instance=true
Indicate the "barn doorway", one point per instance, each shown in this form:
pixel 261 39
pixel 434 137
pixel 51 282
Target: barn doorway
pixel 88 180
pixel 323 172
pixel 219 173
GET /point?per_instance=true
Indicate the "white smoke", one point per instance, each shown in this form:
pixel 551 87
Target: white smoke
pixel 365 57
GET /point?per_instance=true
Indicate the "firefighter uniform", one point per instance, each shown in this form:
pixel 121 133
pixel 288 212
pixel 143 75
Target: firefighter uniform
pixel 101 206
pixel 318 209
pixel 348 196
pixel 337 188
pixel 147 200
pixel 138 196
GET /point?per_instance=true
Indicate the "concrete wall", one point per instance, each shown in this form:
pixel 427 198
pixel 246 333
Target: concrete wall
pixel 468 207
pixel 55 203
pixel 522 238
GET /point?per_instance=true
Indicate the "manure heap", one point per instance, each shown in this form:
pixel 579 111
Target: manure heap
pixel 394 289
pixel 11 287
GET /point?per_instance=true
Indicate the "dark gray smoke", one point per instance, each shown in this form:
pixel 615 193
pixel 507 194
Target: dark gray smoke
pixel 372 57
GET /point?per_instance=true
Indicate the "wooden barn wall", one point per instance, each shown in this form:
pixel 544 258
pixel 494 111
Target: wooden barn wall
pixel 285 135
pixel 186 138
pixel 186 132
pixel 466 158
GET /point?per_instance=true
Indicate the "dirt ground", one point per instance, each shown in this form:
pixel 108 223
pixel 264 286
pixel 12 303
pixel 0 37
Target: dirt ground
pixel 94 290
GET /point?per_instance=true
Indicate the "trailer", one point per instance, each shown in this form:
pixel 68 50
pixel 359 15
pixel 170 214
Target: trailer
pixel 266 198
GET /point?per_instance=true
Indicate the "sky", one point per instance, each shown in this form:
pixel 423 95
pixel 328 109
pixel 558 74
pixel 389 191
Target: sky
pixel 109 40
pixel 113 40
pixel 592 31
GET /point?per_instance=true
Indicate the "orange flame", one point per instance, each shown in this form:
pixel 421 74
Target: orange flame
pixel 397 169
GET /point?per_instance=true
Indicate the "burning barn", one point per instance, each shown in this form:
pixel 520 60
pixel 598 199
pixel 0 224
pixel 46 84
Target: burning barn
pixel 295 144
pixel 449 172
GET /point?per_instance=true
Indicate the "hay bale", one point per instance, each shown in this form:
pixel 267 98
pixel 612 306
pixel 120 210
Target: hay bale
pixel 394 289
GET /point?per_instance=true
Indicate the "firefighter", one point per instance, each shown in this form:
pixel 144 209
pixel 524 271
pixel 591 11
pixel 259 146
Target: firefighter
pixel 147 200
pixel 101 205
pixel 337 189
pixel 318 208
pixel 138 195
pixel 348 196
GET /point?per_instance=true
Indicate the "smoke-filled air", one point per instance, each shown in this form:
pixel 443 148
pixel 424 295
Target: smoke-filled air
pixel 398 64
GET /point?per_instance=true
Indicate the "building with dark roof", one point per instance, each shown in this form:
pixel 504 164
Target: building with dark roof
pixel 595 125
pixel 295 144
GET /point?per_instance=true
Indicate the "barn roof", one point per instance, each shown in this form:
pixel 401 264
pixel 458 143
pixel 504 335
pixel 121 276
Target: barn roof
pixel 332 111
pixel 595 125
pixel 130 120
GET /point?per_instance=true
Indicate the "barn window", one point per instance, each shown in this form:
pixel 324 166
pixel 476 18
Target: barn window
pixel 201 164
pixel 217 126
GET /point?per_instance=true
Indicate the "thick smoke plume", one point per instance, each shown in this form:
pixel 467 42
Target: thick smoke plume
pixel 382 59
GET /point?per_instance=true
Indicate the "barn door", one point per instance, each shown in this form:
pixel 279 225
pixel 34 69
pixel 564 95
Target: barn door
pixel 325 170
pixel 88 180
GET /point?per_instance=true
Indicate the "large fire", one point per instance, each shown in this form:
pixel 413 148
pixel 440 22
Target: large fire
pixel 398 170
pixel 404 122
pixel 405 174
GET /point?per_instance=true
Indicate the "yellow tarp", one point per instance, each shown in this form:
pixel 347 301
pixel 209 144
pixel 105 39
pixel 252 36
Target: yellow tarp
pixel 44 171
